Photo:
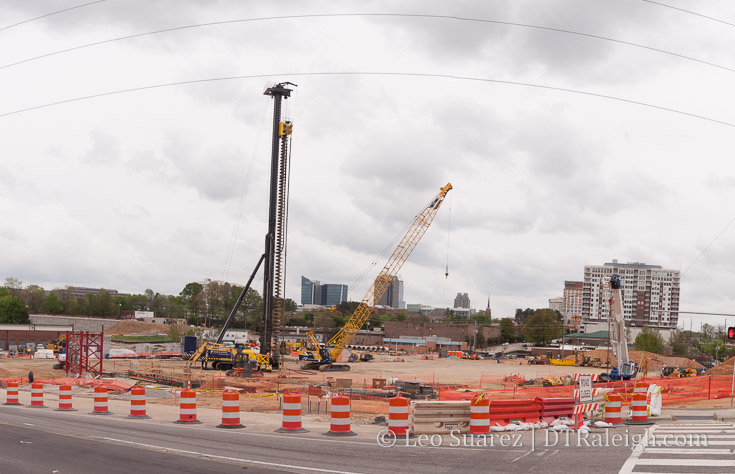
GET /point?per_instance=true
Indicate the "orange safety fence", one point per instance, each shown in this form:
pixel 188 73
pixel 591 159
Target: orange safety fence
pixel 111 384
pixel 673 390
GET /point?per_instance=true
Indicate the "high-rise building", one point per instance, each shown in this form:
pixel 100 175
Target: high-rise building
pixel 462 301
pixel 650 293
pixel 393 296
pixel 557 304
pixel 330 294
pixel 308 288
pixel 572 308
pixel 333 294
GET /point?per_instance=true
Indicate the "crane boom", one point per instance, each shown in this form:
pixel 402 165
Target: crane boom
pixel 418 228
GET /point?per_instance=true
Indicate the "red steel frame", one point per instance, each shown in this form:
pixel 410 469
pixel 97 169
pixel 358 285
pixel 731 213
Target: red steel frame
pixel 84 354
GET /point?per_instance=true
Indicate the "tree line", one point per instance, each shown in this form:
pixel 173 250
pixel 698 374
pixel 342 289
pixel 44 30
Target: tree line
pixel 207 305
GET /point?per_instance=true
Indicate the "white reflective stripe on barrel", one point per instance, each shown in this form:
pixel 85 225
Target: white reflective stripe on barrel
pixel 292 406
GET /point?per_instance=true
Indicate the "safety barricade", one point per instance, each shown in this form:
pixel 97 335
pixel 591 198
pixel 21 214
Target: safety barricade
pixel 100 402
pixel 640 410
pixel 188 408
pixel 556 408
pixel 340 417
pixel 230 410
pixel 37 395
pixel 398 415
pixel 12 394
pixel 480 415
pixel 504 412
pixel 613 407
pixel 137 403
pixel 640 387
pixel 436 417
pixel 291 414
pixel 65 403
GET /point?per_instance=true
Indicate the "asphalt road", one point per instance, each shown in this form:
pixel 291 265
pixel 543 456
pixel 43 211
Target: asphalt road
pixel 47 441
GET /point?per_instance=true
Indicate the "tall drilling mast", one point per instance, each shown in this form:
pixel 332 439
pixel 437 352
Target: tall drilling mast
pixel 275 238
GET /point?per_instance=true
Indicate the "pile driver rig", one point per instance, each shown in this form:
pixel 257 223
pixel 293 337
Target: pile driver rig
pixel 273 256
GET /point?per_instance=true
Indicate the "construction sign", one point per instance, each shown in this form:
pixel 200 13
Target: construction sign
pixel 585 388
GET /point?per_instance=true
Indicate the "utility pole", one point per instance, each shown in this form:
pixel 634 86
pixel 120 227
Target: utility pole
pixel 274 239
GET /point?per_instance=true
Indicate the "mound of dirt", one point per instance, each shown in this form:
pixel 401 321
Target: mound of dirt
pixel 655 361
pixel 139 328
pixel 723 369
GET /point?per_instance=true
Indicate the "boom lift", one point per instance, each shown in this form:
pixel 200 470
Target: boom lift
pixel 625 369
pixel 323 358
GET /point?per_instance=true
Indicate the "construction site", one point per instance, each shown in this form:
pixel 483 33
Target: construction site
pixel 264 370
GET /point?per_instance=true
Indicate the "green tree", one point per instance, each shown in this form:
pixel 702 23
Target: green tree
pixel 291 306
pixel 679 343
pixel 507 330
pixel 12 310
pixel 33 296
pixel 523 314
pixel 479 318
pixel 192 294
pixel 542 326
pixel 347 307
pixel 14 286
pixel 51 304
pixel 649 340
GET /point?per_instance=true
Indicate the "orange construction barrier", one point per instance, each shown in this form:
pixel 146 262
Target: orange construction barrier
pixel 340 417
pixel 188 407
pixel 65 403
pixel 398 415
pixel 12 394
pixel 640 410
pixel 504 412
pixel 100 401
pixel 37 395
pixel 137 403
pixel 480 415
pixel 230 410
pixel 291 414
pixel 613 407
pixel 556 408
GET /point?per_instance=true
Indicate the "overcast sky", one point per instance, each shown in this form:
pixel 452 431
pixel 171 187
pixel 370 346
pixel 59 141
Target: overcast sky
pixel 142 190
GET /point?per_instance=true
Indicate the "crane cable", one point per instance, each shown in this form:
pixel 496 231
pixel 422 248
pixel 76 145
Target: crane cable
pixel 449 228
pixel 243 195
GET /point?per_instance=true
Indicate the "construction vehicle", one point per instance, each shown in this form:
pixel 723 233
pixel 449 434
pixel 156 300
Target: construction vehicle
pixel 415 390
pixel 360 356
pixel 324 360
pixel 625 370
pixel 678 372
pixel 58 345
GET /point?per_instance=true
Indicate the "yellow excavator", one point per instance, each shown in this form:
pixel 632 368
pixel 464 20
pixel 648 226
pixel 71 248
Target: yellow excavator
pixel 323 357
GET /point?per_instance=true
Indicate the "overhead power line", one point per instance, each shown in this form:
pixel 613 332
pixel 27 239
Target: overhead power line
pixel 690 12
pixel 372 73
pixel 50 14
pixel 398 15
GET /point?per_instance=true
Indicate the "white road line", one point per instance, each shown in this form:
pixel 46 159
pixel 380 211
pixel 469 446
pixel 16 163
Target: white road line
pixel 686 462
pixel 226 458
pixel 687 451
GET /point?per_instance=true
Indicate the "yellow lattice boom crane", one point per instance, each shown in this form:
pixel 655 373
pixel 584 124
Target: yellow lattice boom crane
pixel 408 243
